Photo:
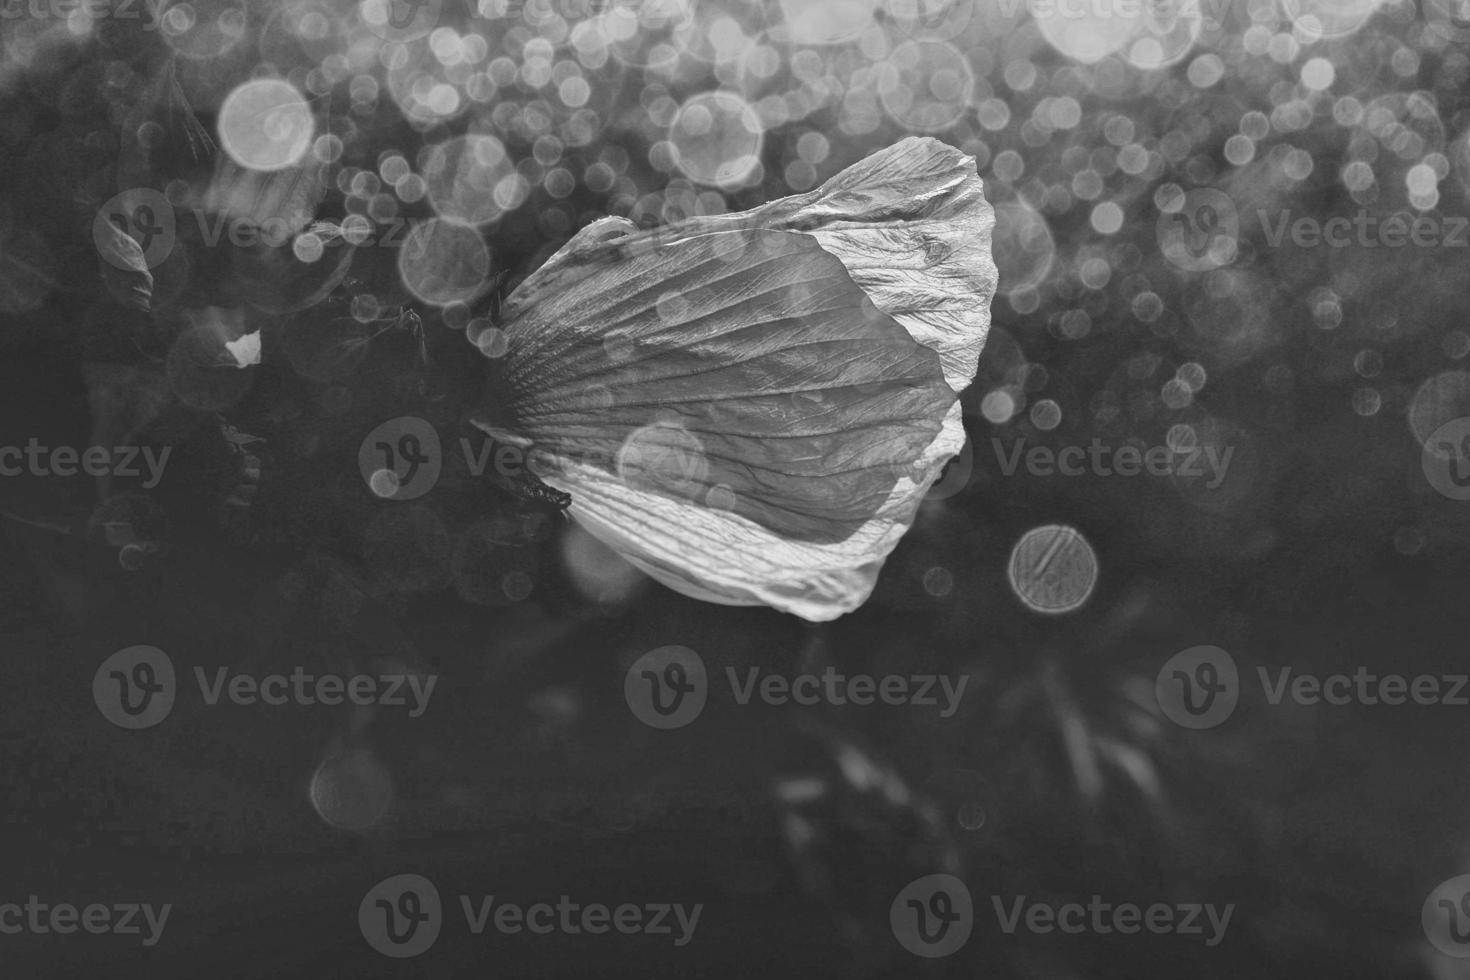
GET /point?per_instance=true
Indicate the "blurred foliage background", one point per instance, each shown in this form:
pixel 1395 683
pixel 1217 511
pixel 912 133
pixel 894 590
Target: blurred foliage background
pixel 418 160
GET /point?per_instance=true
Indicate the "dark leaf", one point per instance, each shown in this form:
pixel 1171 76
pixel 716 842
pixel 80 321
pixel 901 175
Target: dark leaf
pixel 124 269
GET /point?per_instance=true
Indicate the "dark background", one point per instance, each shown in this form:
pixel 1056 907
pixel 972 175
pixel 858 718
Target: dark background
pixel 1325 549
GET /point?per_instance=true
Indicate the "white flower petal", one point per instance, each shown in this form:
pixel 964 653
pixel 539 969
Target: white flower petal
pixel 912 225
pixel 245 350
pixel 912 229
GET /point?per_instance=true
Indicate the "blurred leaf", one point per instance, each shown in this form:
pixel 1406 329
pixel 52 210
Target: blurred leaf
pixel 124 270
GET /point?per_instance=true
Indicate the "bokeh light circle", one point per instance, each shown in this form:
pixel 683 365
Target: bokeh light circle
pixel 827 21
pixel 1053 569
pixel 1166 33
pixel 1086 32
pixel 1022 246
pixel 352 791
pixel 200 29
pixel 717 139
pixel 265 124
pixel 927 86
pixel 470 178
pixel 931 20
pixel 1329 19
pixel 443 262
pixel 647 33
pixel 1442 398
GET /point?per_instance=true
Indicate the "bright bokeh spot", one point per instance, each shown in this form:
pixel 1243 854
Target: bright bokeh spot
pixel 1086 32
pixel 265 124
pixel 1165 34
pixel 717 139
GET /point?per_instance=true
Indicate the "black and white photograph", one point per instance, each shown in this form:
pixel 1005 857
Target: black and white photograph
pixel 734 488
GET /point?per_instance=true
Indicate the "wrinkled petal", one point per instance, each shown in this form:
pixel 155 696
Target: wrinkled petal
pixel 593 350
pixel 720 557
pixel 913 228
